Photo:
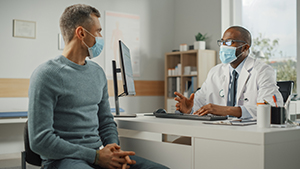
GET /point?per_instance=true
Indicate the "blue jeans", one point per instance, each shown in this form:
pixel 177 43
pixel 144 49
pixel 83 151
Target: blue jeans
pixel 68 163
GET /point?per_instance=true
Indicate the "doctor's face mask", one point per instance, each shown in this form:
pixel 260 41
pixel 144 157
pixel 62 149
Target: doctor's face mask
pixel 227 53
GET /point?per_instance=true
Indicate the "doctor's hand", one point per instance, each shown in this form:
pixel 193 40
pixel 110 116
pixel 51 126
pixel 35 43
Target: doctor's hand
pixel 111 156
pixel 219 110
pixel 184 104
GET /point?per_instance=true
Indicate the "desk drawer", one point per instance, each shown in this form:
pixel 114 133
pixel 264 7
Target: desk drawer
pixel 216 154
pixel 172 155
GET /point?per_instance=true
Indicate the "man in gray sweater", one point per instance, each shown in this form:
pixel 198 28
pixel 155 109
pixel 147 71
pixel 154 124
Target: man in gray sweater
pixel 69 113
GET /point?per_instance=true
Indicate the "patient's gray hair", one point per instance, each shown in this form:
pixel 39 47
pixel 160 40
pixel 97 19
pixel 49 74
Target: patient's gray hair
pixel 74 16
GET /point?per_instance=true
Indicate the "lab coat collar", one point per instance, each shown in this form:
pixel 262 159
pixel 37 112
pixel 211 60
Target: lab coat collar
pixel 225 80
pixel 244 76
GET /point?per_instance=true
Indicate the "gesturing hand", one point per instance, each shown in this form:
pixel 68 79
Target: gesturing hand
pixel 184 104
pixel 111 156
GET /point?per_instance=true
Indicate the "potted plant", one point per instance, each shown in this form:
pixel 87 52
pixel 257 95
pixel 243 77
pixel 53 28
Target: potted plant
pixel 200 41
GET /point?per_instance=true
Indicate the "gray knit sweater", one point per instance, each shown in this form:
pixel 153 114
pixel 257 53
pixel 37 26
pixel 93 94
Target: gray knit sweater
pixel 69 112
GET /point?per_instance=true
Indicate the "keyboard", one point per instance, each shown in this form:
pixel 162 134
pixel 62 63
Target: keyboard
pixel 208 117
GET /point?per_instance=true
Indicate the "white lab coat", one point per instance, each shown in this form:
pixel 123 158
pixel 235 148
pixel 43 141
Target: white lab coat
pixel 256 83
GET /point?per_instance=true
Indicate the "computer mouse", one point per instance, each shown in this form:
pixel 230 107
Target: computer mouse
pixel 160 111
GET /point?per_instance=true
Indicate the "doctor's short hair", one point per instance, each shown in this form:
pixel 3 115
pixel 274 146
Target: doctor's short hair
pixel 74 16
pixel 245 34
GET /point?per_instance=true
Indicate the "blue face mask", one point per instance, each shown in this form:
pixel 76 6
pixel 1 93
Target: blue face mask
pixel 95 50
pixel 227 53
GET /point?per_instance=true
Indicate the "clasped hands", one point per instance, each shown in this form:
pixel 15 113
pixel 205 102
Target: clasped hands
pixel 111 156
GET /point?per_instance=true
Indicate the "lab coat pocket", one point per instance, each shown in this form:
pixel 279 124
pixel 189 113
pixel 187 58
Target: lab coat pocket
pixel 245 98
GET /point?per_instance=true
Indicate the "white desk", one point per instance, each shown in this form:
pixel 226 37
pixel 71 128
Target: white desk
pixel 11 136
pixel 213 146
pixel 13 120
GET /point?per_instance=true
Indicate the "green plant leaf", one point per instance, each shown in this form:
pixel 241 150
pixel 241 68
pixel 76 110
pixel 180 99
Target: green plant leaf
pixel 200 37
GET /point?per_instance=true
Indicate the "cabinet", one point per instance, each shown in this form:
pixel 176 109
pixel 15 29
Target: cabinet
pixel 185 72
pixel 213 146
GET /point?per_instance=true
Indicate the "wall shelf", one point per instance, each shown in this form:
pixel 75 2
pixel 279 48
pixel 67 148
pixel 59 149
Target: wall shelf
pixel 202 60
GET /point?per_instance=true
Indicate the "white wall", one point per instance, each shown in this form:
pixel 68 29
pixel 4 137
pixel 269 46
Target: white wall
pixel 193 16
pixel 164 24
pixel 20 56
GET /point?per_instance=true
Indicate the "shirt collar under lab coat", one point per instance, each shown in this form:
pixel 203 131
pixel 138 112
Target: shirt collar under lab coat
pixel 237 69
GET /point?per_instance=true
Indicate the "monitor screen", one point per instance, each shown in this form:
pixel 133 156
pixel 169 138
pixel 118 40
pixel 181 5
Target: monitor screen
pixel 126 69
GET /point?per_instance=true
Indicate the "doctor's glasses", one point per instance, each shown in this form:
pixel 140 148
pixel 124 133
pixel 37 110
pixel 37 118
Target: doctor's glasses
pixel 228 42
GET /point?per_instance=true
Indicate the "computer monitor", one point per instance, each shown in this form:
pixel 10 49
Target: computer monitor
pixel 126 69
pixel 127 78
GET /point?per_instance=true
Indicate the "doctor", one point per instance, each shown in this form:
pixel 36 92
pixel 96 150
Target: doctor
pixel 236 85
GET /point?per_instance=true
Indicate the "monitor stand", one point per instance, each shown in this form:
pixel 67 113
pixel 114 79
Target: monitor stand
pixel 124 115
pixel 118 114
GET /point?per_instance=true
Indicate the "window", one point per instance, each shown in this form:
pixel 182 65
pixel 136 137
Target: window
pixel 273 26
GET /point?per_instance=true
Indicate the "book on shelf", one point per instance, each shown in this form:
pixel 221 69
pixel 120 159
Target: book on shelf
pixel 171 86
pixel 187 87
pixel 178 84
pixel 174 84
pixel 190 87
pixel 194 85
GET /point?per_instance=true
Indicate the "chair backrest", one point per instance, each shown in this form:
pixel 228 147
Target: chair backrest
pixel 285 88
pixel 30 157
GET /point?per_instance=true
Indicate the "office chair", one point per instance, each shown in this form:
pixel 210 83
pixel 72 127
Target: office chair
pixel 28 155
pixel 285 88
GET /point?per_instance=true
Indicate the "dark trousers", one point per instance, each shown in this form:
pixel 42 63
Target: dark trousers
pixel 68 163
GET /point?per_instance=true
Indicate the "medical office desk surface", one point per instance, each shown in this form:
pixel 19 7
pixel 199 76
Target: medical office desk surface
pixel 212 146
